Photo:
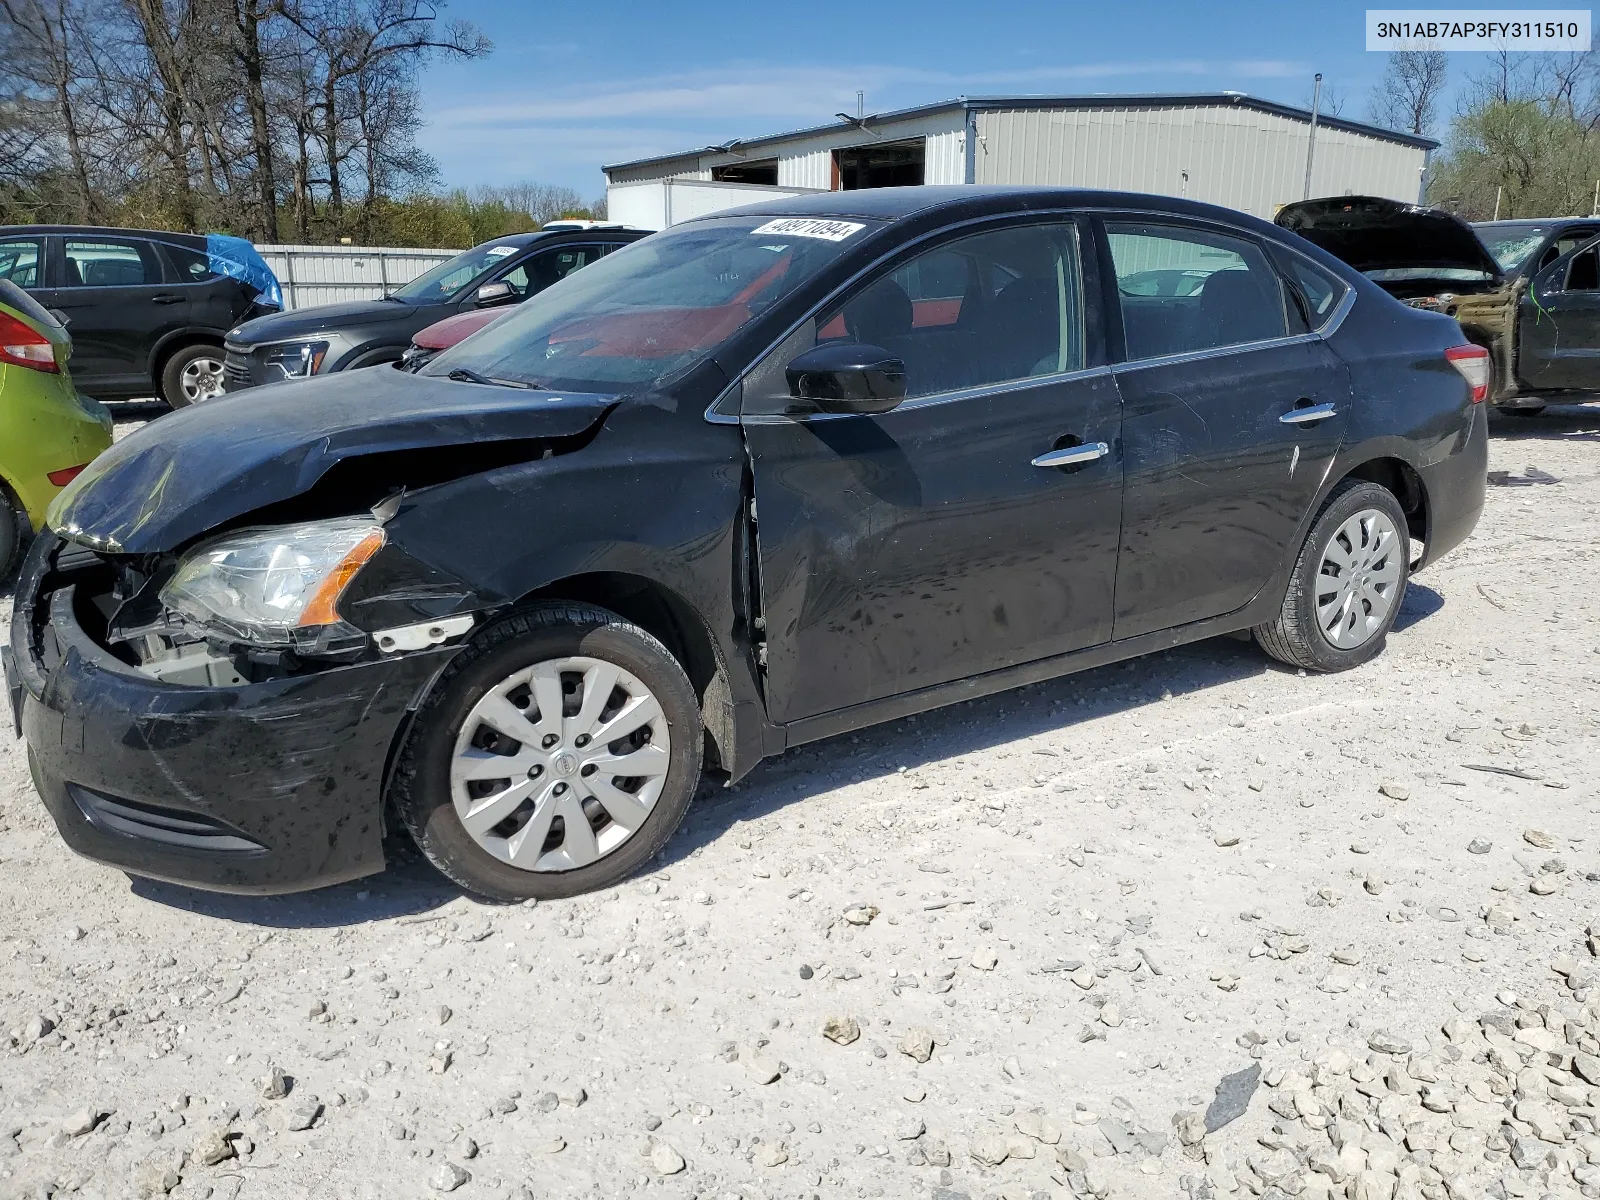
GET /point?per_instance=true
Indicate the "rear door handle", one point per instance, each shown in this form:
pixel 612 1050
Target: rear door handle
pixel 1304 416
pixel 1073 456
pixel 166 298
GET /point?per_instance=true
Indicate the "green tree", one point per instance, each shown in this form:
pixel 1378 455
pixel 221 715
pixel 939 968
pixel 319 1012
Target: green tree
pixel 1527 136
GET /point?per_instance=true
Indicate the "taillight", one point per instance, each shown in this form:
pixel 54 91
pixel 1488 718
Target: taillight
pixel 66 475
pixel 23 346
pixel 1473 363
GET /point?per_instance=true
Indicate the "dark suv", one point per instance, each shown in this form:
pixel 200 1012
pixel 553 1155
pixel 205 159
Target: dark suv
pixel 369 333
pixel 147 310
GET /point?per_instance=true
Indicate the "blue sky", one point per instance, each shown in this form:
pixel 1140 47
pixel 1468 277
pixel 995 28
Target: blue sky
pixel 569 88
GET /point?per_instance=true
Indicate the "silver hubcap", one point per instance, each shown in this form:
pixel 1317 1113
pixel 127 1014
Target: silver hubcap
pixel 201 379
pixel 560 764
pixel 1359 580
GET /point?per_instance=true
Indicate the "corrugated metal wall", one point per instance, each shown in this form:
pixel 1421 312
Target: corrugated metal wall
pixel 328 274
pixel 1236 157
pixel 810 169
pixel 946 160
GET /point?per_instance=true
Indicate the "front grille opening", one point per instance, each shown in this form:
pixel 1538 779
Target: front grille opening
pixel 168 826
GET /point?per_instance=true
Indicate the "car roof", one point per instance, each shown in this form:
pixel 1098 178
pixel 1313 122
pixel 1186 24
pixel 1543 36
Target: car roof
pixel 524 240
pixel 897 203
pixel 188 239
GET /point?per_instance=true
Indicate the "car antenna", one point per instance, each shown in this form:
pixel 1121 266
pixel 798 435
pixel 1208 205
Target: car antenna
pixel 384 510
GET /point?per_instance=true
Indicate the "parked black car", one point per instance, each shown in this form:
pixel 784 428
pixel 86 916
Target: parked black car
pixel 1528 291
pixel 147 310
pixel 763 478
pixel 368 333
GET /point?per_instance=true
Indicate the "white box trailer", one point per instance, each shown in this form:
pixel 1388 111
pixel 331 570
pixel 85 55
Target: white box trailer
pixel 657 203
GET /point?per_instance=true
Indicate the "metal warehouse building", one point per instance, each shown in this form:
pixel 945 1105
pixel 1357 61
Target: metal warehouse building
pixel 1225 148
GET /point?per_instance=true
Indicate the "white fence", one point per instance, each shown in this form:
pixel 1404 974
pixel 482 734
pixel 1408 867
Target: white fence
pixel 328 274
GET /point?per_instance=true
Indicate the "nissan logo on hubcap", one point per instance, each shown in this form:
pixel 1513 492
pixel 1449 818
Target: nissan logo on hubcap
pixel 564 763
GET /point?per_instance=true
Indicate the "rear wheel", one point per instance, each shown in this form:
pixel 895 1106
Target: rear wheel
pixel 192 375
pixel 1531 410
pixel 557 755
pixel 1347 585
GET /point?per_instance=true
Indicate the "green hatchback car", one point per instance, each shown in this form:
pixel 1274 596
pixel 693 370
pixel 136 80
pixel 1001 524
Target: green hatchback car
pixel 48 432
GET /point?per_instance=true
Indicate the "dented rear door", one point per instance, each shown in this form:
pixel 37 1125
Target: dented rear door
pixel 1225 446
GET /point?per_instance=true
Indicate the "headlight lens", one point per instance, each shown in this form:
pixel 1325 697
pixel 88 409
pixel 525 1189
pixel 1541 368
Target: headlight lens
pixel 263 585
pixel 297 359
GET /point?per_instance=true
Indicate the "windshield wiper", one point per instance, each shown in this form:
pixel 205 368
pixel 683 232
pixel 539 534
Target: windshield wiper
pixel 468 375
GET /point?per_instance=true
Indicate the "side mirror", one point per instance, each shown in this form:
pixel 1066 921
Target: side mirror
pixel 491 295
pixel 848 377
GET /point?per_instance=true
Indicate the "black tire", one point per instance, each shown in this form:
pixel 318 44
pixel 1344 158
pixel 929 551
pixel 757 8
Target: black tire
pixel 1530 410
pixel 1294 637
pixel 11 531
pixel 172 381
pixel 421 789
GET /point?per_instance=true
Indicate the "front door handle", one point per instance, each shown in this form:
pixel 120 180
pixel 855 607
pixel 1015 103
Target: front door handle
pixel 1304 416
pixel 1073 456
pixel 166 298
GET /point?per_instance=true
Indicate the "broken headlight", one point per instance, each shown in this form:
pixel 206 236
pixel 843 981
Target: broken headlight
pixel 273 587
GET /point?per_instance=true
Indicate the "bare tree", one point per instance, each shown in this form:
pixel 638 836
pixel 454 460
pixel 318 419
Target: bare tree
pixel 41 40
pixel 1407 97
pixel 1330 101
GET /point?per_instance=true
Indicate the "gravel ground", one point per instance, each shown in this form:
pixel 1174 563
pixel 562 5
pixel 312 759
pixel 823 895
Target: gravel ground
pixel 1009 949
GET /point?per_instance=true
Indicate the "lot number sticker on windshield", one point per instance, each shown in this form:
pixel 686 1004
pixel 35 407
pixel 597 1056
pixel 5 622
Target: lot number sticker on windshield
pixel 810 227
pixel 500 251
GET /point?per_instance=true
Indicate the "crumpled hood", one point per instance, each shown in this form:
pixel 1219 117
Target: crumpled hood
pixel 303 322
pixel 204 466
pixel 1374 234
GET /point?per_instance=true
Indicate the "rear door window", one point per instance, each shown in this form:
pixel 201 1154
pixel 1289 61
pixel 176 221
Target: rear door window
pixel 20 259
pixel 1223 290
pixel 110 263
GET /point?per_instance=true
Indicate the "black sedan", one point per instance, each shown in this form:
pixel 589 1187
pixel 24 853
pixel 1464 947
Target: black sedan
pixel 760 479
pixel 304 342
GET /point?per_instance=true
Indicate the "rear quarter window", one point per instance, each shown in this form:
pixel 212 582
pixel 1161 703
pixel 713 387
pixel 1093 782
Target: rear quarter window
pixel 192 266
pixel 1318 290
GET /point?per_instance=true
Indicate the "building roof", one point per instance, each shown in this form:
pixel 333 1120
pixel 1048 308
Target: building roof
pixel 1103 100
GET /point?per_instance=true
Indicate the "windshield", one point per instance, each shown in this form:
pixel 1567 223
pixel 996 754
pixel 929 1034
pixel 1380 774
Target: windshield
pixel 1511 244
pixel 461 272
pixel 654 308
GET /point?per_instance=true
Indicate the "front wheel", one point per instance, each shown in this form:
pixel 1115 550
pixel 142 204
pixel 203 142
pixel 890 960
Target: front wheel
pixel 191 376
pixel 1347 585
pixel 556 756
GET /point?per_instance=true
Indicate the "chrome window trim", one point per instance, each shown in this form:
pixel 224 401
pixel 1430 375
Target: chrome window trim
pixel 1047 216
pixel 987 389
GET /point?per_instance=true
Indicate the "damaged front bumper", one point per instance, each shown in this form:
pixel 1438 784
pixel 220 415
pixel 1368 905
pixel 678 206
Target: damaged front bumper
pixel 274 786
